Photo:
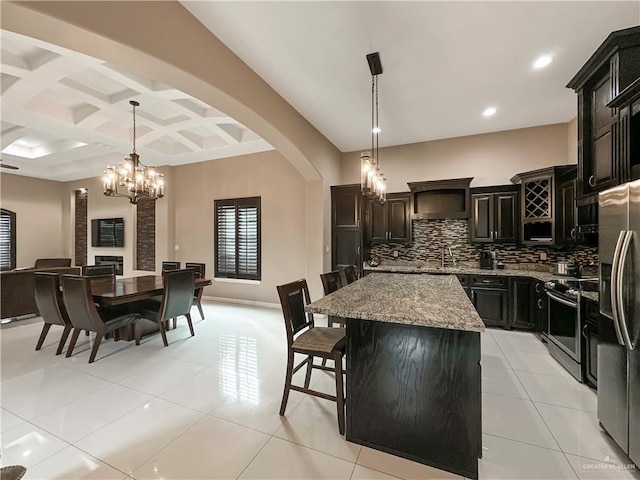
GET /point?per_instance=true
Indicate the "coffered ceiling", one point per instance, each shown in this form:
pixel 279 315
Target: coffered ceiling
pixel 65 116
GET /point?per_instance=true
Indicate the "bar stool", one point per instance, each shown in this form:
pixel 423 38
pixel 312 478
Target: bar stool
pixel 305 338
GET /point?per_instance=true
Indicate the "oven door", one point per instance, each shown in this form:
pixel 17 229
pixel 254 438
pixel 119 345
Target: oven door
pixel 564 325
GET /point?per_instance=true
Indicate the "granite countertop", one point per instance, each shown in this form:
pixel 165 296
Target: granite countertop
pixel 594 296
pixel 462 270
pixel 402 267
pixel 437 301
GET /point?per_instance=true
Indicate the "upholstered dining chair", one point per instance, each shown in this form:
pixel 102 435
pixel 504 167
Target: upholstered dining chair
pixel 170 266
pixel 305 338
pixel 84 315
pixel 99 270
pixel 331 282
pixel 50 304
pixel 350 274
pixel 177 298
pixel 199 268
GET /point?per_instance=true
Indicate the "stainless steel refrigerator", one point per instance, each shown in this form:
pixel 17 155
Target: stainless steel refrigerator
pixel 619 335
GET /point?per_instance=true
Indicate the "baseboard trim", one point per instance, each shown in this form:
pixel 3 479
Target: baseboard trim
pixel 242 302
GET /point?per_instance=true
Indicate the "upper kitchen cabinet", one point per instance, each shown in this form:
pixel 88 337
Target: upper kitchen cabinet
pixel 439 199
pixel 566 212
pixel 346 226
pixel 389 222
pixel 538 190
pixel 628 105
pixel 615 65
pixel 495 214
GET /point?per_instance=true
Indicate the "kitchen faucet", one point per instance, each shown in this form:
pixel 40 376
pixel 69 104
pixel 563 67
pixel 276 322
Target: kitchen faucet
pixel 453 257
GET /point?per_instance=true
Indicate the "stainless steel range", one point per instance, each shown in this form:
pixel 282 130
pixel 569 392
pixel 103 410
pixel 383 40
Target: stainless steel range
pixel 566 343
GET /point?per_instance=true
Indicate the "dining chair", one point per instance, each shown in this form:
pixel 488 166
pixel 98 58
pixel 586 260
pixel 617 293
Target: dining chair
pixel 51 307
pixel 331 282
pixel 177 298
pixel 170 266
pixel 199 268
pixel 99 270
pixel 350 274
pixel 84 315
pixel 305 338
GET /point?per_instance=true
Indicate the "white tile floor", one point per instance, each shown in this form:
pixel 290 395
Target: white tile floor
pixel 207 407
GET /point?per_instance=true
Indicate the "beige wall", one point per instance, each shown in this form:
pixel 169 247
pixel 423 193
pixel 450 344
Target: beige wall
pixel 491 159
pixel 572 141
pixel 38 205
pixel 283 194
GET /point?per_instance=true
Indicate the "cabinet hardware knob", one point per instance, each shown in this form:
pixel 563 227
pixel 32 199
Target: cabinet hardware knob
pixel 573 233
pixel 390 235
pixel 592 181
pixel 537 288
pixel 540 304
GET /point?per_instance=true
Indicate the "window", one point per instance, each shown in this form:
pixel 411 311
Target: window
pixel 7 240
pixel 237 232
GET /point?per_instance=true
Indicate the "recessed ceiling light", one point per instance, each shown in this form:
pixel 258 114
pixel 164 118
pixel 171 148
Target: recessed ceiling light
pixel 542 61
pixel 489 111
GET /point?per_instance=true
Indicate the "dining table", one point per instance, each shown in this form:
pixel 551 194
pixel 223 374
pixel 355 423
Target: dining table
pixel 110 292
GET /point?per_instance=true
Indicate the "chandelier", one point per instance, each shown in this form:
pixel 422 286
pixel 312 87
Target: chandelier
pixel 135 179
pixel 372 181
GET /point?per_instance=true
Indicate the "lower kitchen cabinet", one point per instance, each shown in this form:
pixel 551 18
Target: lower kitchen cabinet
pixel 491 303
pixel 590 329
pixel 540 308
pixel 521 303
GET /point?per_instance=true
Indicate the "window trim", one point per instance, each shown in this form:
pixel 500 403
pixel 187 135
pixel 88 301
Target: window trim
pixel 238 203
pixel 12 239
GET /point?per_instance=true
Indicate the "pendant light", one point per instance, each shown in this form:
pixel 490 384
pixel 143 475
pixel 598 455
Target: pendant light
pixel 135 179
pixel 372 181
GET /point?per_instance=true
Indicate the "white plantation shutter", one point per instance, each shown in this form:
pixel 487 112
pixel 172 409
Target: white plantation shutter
pixel 237 231
pixel 7 240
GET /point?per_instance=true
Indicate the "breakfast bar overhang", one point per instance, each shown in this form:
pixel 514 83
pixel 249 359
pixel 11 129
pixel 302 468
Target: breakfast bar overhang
pixel 413 368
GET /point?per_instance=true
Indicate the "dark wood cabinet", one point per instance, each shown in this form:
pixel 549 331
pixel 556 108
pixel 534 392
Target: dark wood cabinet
pixel 346 226
pixel 389 222
pixel 615 65
pixel 495 214
pixel 521 303
pixel 566 213
pixel 590 329
pixel 539 210
pixel 540 308
pixel 628 105
pixel 490 297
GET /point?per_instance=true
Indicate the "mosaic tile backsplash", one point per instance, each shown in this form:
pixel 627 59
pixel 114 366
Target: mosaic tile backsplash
pixel 430 236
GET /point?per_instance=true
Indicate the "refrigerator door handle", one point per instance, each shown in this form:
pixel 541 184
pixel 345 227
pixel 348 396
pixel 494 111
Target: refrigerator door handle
pixel 619 289
pixel 614 287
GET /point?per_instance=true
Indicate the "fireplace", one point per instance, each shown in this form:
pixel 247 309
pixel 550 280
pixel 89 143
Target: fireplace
pixel 110 260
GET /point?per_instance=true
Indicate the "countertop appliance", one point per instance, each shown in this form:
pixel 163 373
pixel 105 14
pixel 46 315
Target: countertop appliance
pixel 619 335
pixel 565 339
pixel 487 260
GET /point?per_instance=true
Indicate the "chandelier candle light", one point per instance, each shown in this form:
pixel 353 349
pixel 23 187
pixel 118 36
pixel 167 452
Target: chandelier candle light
pixel 372 181
pixel 138 180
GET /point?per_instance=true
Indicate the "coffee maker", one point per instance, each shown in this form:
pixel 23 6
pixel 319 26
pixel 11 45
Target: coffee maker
pixel 487 260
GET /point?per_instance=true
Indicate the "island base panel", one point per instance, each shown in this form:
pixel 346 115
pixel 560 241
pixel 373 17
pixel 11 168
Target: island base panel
pixel 415 392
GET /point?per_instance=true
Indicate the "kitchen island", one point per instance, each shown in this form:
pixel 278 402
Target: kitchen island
pixel 413 368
